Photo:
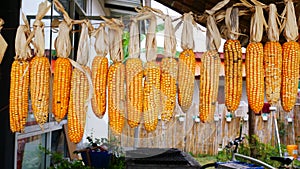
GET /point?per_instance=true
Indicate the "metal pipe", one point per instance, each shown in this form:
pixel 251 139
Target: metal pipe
pixel 253 160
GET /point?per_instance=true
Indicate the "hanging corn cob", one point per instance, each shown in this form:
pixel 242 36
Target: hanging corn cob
pixel 134 78
pixel 116 77
pixel 62 73
pixel 187 64
pixel 169 71
pixel 209 72
pixel 80 89
pixel 232 61
pixel 254 62
pixel 99 72
pixel 40 70
pixel 290 60
pixel 152 103
pixel 19 82
pixel 273 58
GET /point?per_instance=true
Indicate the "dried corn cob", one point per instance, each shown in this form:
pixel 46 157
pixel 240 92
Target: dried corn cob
pixel 18 100
pixel 273 58
pixel 134 90
pixel 78 103
pixel 209 84
pixel 152 102
pixel 19 82
pixel 99 78
pixel 272 66
pixel 290 74
pixel 61 87
pixel 233 74
pixel 39 88
pixel 62 73
pixel 290 60
pixel 168 88
pixel 116 97
pixel 186 64
pixel 255 76
pixel 186 78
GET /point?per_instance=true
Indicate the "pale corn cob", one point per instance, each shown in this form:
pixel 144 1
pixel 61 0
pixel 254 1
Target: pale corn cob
pixel 186 78
pixel 116 97
pixel 99 78
pixel 152 102
pixel 255 76
pixel 39 88
pixel 134 91
pixel 272 67
pixel 169 71
pixel 209 84
pixel 78 104
pixel 233 74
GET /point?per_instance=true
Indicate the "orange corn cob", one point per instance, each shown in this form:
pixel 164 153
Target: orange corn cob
pixel 290 74
pixel 255 76
pixel 18 100
pixel 99 78
pixel 186 78
pixel 61 87
pixel 233 74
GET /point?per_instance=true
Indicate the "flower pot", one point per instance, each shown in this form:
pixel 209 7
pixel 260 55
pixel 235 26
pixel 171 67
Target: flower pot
pixel 96 159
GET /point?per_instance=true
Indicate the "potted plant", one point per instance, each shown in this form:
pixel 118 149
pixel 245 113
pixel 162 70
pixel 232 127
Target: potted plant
pixel 100 152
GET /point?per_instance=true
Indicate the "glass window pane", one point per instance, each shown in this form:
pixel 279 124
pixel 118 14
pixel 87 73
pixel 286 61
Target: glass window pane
pixel 29 156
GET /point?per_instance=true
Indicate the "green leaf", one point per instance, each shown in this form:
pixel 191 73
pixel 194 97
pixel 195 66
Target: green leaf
pixel 160 27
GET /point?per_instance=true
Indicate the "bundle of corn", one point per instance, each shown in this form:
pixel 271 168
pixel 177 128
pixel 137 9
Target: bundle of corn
pixel 99 72
pixel 290 60
pixel 62 73
pixel 254 62
pixel 40 70
pixel 187 64
pixel 233 61
pixel 134 78
pixel 273 58
pixel 116 77
pixel 152 103
pixel 80 89
pixel 169 71
pixel 19 82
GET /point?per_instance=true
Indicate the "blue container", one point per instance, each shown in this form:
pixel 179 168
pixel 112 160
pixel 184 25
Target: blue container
pixel 237 165
pixel 96 159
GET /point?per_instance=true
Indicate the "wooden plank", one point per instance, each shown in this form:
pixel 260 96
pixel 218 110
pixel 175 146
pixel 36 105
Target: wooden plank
pixel 71 145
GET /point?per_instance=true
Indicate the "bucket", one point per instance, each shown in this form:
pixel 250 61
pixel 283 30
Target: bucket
pixel 292 150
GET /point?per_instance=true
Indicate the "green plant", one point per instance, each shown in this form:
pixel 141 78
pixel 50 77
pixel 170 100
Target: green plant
pixel 261 151
pixel 59 162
